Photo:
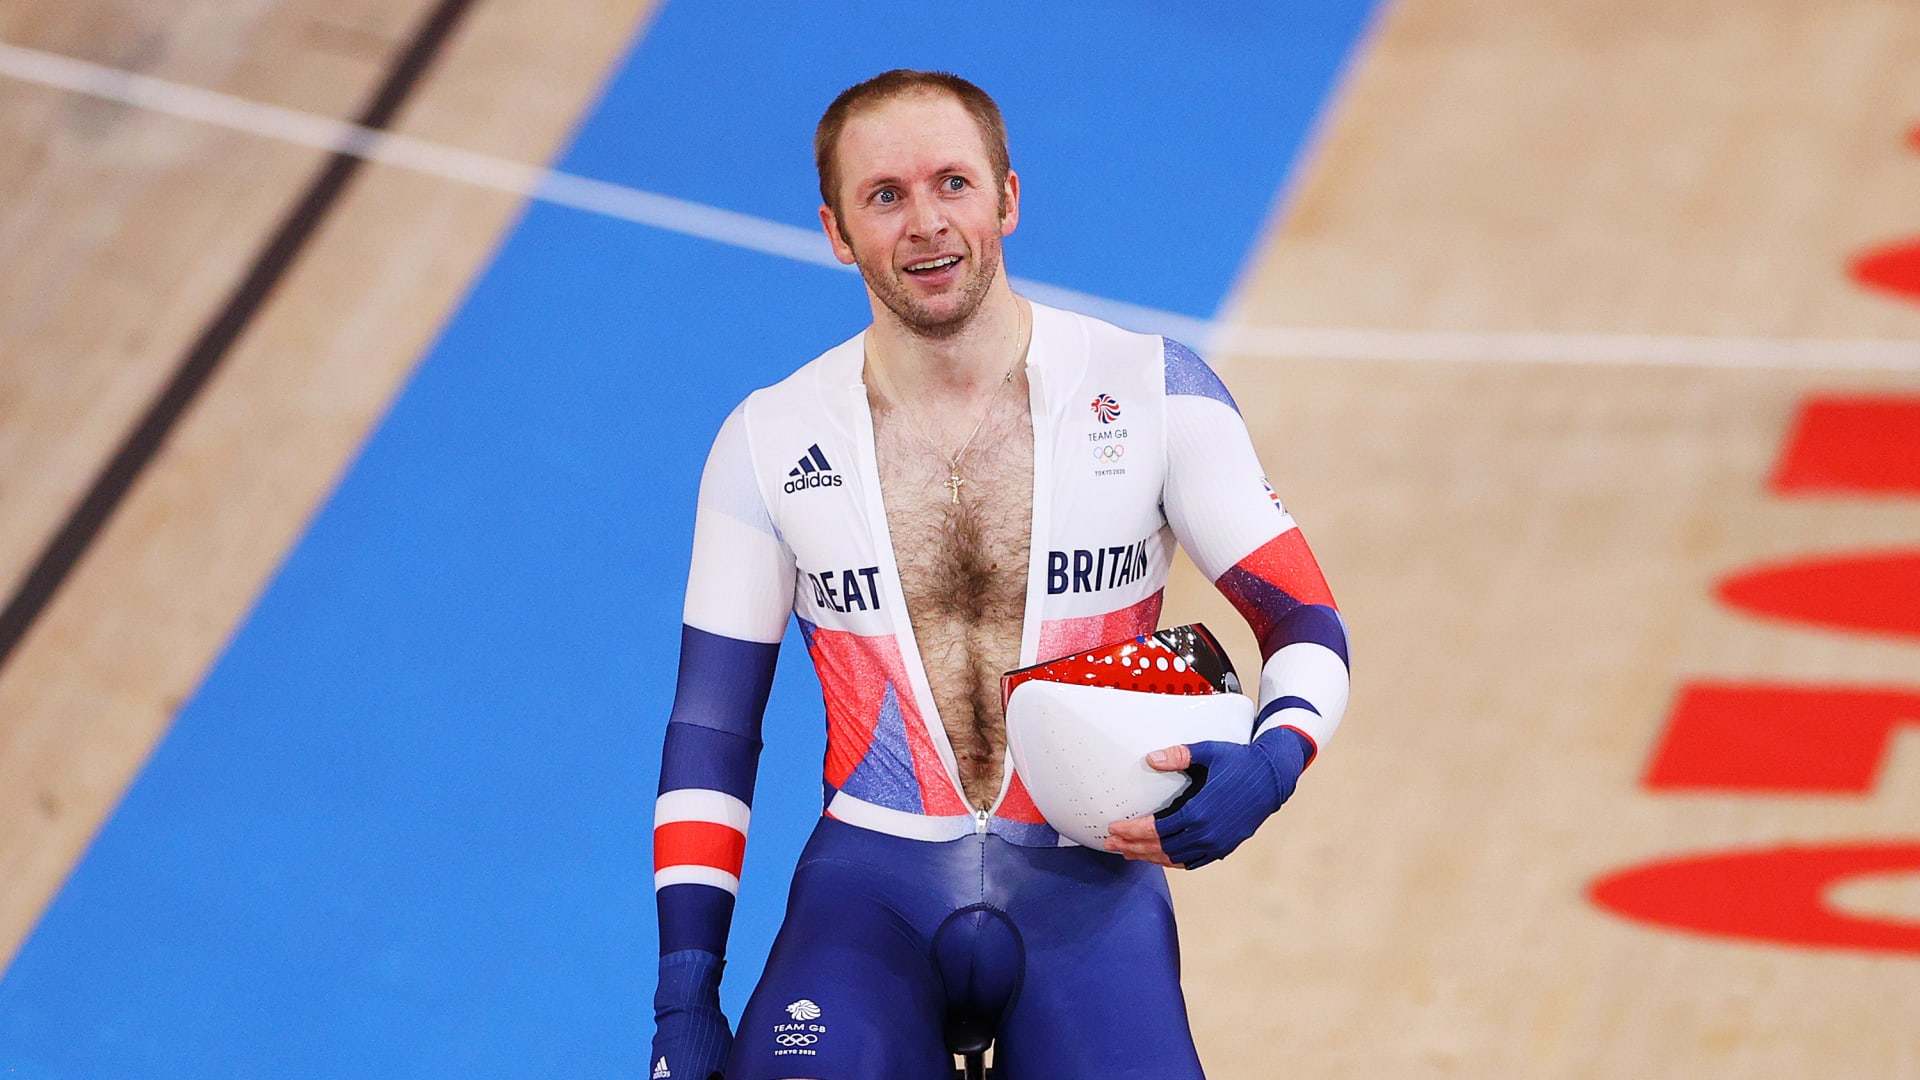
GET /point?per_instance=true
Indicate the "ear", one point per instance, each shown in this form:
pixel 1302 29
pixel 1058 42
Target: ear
pixel 1011 219
pixel 841 249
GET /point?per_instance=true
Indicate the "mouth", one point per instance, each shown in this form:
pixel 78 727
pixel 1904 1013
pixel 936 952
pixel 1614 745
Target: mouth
pixel 934 267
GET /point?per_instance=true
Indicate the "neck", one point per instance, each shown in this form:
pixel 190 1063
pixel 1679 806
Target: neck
pixel 957 367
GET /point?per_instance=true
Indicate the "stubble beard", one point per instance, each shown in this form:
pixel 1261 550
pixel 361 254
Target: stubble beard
pixel 886 284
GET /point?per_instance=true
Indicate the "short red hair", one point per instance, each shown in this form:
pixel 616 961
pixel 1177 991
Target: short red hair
pixel 898 83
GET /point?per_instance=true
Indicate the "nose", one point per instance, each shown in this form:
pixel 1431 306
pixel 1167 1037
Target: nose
pixel 926 219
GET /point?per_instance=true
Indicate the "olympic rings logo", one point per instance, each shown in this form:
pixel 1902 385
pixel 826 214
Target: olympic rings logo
pixel 792 1038
pixel 1110 452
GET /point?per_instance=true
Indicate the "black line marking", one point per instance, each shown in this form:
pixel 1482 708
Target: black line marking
pixel 65 550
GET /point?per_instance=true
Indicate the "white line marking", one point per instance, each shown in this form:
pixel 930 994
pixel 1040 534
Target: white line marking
pixel 417 155
pixel 1543 348
pixel 806 245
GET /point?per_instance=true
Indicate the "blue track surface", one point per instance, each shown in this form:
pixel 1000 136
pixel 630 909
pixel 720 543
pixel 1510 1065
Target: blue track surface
pixel 402 830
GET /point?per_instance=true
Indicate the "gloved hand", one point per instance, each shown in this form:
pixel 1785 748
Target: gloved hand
pixel 1235 788
pixel 691 1037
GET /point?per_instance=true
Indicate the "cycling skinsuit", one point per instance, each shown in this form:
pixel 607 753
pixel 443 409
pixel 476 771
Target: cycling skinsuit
pixel 908 904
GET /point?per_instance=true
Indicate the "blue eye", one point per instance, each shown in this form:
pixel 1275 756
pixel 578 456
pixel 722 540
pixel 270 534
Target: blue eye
pixel 956 183
pixel 885 196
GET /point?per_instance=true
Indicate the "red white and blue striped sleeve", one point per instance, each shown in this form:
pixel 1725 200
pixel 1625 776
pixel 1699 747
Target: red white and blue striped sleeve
pixel 1238 533
pixel 739 595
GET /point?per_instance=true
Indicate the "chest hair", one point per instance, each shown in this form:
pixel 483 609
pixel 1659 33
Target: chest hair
pixel 963 570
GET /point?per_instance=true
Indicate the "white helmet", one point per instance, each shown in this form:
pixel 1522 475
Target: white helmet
pixel 1081 727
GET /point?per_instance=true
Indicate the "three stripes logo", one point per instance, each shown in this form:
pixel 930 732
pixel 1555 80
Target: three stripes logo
pixel 812 472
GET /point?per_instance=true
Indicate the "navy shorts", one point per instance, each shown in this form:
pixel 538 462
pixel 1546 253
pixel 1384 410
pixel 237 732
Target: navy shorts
pixel 1068 953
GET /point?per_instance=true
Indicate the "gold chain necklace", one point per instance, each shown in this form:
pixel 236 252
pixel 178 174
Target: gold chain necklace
pixel 954 480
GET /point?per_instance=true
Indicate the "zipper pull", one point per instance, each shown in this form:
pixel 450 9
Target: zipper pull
pixel 980 820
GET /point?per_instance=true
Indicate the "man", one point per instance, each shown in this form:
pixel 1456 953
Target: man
pixel 973 484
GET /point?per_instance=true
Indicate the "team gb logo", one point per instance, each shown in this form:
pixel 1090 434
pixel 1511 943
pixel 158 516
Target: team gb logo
pixel 1106 408
pixel 804 1010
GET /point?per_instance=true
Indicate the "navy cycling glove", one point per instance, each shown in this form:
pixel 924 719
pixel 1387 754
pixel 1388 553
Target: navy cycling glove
pixel 691 1037
pixel 1235 788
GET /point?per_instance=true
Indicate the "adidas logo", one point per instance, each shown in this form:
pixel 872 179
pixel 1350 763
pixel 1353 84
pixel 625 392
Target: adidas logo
pixel 660 1070
pixel 812 472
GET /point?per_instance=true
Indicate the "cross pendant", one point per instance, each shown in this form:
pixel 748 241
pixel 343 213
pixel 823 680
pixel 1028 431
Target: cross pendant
pixel 952 484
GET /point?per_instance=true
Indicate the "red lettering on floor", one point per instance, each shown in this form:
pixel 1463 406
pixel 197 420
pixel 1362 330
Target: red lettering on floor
pixel 1871 594
pixel 1852 446
pixel 1758 738
pixel 1775 895
pixel 1894 269
pixel 1797 739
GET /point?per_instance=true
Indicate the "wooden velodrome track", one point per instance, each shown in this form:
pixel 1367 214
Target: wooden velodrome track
pixel 1522 355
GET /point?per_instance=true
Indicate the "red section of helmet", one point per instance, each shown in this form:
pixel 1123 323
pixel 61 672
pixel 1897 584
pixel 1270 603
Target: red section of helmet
pixel 1142 663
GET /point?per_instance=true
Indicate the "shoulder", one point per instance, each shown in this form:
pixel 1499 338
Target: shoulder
pixel 1113 351
pixel 1189 376
pixel 818 383
pixel 1104 343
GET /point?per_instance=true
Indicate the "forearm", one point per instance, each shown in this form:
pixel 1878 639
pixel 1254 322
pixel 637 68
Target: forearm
pixel 707 766
pixel 1303 674
pixel 707 769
